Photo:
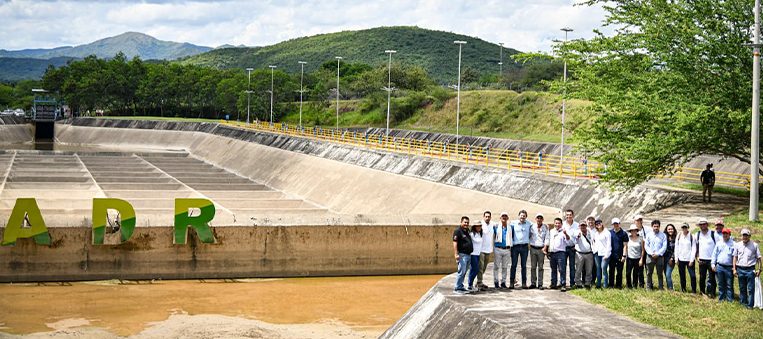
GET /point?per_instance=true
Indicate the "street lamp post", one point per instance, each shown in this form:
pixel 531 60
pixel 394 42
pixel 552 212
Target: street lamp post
pixel 389 86
pixel 248 94
pixel 301 78
pixel 337 92
pixel 458 89
pixel 755 132
pixel 500 63
pixel 564 103
pixel 271 94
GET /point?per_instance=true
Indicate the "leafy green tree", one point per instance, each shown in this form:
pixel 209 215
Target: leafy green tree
pixel 6 95
pixel 469 75
pixel 673 82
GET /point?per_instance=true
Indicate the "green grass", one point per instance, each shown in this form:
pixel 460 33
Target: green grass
pixel 719 189
pixel 738 220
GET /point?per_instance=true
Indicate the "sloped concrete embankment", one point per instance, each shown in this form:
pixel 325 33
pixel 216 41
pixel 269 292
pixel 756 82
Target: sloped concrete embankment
pixel 580 195
pixel 14 130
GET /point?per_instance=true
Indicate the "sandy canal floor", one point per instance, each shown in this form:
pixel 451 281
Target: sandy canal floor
pixel 345 307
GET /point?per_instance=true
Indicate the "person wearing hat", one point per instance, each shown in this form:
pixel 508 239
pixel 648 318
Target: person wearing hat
pixel 705 240
pixel 602 249
pixel 519 250
pixel 723 265
pixel 538 235
pixel 655 245
pixel 590 221
pixel 746 254
pixel 683 255
pixel 707 179
pixel 488 228
pixel 638 220
pixel 616 263
pixel 502 254
pixel 635 252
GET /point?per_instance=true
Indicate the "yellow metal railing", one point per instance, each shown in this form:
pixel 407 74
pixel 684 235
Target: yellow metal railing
pixel 531 162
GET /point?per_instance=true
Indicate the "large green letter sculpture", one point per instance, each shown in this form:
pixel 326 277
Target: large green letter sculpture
pixel 100 209
pixel 199 222
pixel 26 207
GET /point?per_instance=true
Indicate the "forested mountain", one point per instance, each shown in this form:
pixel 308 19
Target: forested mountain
pixel 131 44
pixel 431 50
pixel 17 69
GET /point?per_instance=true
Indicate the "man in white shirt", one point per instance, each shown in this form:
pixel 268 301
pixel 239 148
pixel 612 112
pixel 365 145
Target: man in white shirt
pixel 571 227
pixel 655 245
pixel 487 248
pixel 583 257
pixel 705 240
pixel 502 244
pixel 746 254
pixel 639 221
pixel 538 235
pixel 556 243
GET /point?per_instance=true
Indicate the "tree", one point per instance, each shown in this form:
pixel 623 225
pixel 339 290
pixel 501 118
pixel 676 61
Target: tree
pixel 673 82
pixel 469 75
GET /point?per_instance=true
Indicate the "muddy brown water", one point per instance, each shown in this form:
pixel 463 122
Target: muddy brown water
pixel 368 304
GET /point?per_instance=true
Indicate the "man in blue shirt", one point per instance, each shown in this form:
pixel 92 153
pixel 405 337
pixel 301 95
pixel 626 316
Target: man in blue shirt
pixel 655 245
pixel 616 261
pixel 521 239
pixel 722 264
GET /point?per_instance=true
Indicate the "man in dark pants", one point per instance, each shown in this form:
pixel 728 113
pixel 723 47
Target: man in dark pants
pixel 705 240
pixel 619 239
pixel 707 178
pixel 462 246
pixel 571 227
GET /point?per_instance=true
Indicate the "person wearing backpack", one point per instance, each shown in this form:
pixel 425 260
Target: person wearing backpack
pixel 705 240
pixel 684 257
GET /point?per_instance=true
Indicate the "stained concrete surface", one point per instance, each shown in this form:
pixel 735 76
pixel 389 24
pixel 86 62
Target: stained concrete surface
pixel 514 314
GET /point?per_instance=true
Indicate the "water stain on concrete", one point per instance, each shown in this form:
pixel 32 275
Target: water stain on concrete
pixel 366 304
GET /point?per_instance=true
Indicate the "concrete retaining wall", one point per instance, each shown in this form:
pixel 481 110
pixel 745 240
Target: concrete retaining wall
pixel 263 251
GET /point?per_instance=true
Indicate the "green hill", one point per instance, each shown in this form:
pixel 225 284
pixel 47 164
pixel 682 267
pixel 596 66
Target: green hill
pixel 432 50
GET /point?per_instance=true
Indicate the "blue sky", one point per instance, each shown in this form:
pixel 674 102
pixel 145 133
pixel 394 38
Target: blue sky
pixel 520 24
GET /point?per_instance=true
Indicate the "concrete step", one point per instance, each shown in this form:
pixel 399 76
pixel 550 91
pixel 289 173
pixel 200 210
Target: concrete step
pixel 215 195
pixel 155 174
pixel 130 195
pixel 142 187
pixel 57 186
pixel 229 187
pixel 49 179
pixel 227 180
pixel 264 203
pixel 43 193
pixel 132 180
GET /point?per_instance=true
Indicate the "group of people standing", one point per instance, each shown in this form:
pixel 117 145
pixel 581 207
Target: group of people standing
pixel 596 255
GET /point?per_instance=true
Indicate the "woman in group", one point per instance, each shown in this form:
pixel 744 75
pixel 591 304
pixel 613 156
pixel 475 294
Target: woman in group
pixel 474 266
pixel 669 264
pixel 602 250
pixel 635 260
pixel 684 256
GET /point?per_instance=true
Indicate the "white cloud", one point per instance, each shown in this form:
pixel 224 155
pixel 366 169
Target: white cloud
pixel 520 24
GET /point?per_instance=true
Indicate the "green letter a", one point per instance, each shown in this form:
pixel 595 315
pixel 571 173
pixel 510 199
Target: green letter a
pixel 199 223
pixel 101 206
pixel 26 207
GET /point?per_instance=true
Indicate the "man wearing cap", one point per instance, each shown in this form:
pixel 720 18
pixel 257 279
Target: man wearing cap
pixel 519 249
pixel 557 248
pixel 655 245
pixel 590 221
pixel 723 265
pixel 638 220
pixel 583 257
pixel 502 255
pixel 616 262
pixel 462 246
pixel 746 254
pixel 538 235
pixel 707 178
pixel 487 247
pixel 705 240
pixel 571 227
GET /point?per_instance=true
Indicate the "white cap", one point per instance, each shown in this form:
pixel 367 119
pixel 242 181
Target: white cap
pixel 615 220
pixel 504 213
pixel 702 221
pixel 745 231
pixel 590 217
pixel 633 227
pixel 637 217
pixel 539 215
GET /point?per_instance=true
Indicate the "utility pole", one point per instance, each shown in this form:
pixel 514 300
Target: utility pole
pixel 755 133
pixel 248 95
pixel 389 86
pixel 458 95
pixel 337 92
pixel 301 78
pixel 271 95
pixel 564 103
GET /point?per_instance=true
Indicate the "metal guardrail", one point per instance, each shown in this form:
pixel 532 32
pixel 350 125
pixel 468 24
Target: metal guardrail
pixel 513 160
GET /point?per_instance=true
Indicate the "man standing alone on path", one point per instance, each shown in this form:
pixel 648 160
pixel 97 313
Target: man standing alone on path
pixel 557 246
pixel 502 255
pixel 723 263
pixel 707 178
pixel 571 227
pixel 519 249
pixel 487 247
pixel 538 235
pixel 655 245
pixel 746 254
pixel 616 262
pixel 462 246
pixel 705 240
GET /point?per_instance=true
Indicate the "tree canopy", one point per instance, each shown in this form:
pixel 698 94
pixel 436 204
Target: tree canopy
pixel 672 82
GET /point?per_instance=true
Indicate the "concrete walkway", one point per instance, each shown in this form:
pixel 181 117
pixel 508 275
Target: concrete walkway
pixel 513 314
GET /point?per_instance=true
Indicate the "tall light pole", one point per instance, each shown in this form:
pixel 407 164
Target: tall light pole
pixel 458 88
pixel 564 103
pixel 500 63
pixel 301 78
pixel 389 85
pixel 755 133
pixel 248 94
pixel 337 92
pixel 271 94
